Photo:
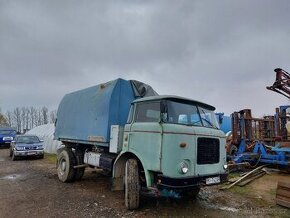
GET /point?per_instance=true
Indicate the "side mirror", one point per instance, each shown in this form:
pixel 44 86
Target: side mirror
pixel 164 117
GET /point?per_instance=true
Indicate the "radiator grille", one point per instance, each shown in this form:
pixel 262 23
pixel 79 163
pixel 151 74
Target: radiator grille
pixel 208 151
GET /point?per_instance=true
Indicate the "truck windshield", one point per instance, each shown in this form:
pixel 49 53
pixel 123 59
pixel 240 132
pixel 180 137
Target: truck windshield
pixel 188 114
pixel 208 118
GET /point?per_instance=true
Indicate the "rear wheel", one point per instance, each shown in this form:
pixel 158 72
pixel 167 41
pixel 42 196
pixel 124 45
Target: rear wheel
pixel 132 185
pixel 65 165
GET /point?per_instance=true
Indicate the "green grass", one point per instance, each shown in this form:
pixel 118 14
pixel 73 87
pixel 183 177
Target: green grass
pixel 272 191
pixel 51 158
pixel 249 193
pixel 245 190
pixel 233 175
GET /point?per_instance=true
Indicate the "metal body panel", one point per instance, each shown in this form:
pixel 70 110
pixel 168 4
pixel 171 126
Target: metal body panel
pixel 145 140
pixel 87 115
pixel 173 152
pixel 217 168
pixel 116 139
pixel 92 158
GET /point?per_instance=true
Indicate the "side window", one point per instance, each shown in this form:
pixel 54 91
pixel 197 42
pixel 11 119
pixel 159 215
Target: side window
pixel 147 112
pixel 182 118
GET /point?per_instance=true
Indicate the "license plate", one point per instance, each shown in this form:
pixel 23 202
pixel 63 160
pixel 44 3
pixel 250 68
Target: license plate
pixel 31 153
pixel 212 180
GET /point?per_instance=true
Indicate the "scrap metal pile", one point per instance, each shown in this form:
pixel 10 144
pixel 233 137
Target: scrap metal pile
pixel 260 140
pixel 282 83
pixel 263 140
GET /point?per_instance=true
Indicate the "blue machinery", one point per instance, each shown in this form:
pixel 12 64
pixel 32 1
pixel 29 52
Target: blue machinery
pixel 261 140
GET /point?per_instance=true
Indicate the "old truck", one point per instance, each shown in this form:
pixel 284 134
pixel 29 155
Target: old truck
pixel 151 144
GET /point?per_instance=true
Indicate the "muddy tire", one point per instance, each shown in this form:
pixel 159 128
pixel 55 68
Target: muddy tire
pixel 79 155
pixel 65 163
pixel 132 185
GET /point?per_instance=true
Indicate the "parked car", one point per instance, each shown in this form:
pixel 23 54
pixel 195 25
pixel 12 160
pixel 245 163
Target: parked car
pixel 7 134
pixel 26 145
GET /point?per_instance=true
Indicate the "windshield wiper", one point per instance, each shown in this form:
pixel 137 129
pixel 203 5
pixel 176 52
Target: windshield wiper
pixel 208 122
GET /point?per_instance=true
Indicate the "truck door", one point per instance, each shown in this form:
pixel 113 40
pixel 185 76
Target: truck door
pixel 145 137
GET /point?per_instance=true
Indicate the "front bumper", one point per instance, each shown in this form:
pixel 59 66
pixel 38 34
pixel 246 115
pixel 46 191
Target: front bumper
pixel 185 183
pixel 28 153
pixel 5 143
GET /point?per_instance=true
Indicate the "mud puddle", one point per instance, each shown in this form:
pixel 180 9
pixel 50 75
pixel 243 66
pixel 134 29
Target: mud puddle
pixel 12 177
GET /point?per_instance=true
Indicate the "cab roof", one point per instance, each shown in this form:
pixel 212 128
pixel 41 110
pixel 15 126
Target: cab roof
pixel 175 98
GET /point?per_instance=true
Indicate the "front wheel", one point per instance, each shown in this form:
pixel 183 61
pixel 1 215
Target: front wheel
pixel 65 165
pixel 132 185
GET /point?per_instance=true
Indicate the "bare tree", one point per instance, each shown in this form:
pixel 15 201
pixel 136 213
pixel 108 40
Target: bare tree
pixel 25 118
pixel 9 118
pixel 39 117
pixel 53 116
pixel 44 111
pixel 32 113
pixel 3 120
pixel 17 117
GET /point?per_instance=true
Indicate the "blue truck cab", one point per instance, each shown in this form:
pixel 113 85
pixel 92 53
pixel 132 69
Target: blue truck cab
pixel 7 134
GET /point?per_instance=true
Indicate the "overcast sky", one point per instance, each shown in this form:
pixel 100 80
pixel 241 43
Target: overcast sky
pixel 219 52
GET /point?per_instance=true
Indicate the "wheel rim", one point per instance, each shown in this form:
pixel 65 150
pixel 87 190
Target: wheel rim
pixel 62 164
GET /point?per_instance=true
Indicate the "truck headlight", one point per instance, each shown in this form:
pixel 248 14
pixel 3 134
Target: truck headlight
pixel 225 166
pixel 184 167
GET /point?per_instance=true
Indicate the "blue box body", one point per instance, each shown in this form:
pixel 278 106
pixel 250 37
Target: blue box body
pixel 86 116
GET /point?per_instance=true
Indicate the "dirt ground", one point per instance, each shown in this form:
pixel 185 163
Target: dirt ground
pixel 30 188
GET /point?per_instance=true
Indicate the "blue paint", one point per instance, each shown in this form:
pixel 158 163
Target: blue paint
pixel 92 111
pixel 170 193
pixel 7 134
pixel 225 122
pixel 279 156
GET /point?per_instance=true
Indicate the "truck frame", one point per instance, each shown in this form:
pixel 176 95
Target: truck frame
pixel 167 146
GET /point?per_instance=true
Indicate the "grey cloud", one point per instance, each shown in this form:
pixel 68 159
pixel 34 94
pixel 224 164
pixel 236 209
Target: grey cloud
pixel 220 52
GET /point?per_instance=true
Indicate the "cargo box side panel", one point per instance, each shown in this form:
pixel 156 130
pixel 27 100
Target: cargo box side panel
pixel 121 100
pixel 84 115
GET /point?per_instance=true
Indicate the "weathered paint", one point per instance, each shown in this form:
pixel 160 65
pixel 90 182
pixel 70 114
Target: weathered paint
pixel 87 115
pixel 158 146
